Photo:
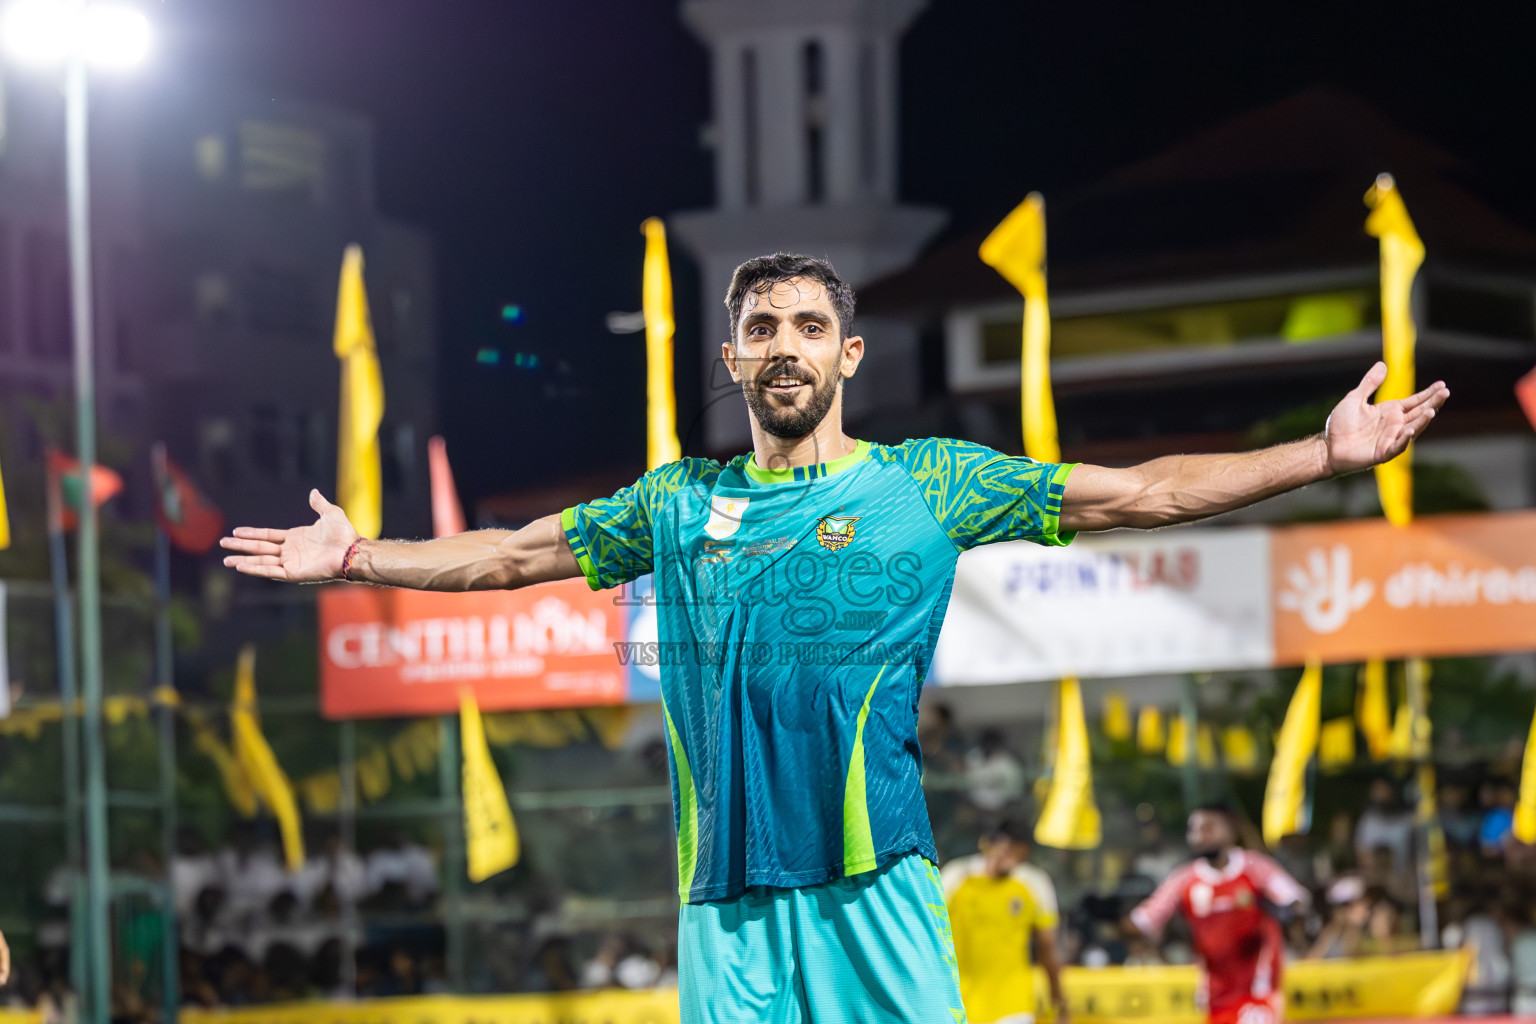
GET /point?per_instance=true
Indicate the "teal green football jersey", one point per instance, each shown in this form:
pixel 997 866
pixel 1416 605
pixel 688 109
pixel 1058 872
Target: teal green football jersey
pixel 797 613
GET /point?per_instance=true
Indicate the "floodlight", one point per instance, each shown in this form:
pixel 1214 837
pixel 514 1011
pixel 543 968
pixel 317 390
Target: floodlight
pixel 38 31
pixel 107 35
pixel 114 36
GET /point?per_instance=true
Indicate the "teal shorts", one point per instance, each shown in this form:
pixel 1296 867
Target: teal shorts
pixel 871 949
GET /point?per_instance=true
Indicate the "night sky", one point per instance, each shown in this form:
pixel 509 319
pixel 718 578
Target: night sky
pixel 531 137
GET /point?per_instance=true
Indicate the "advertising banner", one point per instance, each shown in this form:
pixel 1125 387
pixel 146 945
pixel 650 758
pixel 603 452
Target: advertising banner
pixel 1444 585
pixel 386 652
pixel 1112 605
pixel 1410 985
pixel 1117 604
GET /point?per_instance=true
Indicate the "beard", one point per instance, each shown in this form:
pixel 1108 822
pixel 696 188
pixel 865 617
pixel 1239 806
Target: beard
pixel 788 422
pixel 1208 853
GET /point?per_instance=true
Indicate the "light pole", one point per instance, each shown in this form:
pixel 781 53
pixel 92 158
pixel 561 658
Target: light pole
pixel 80 36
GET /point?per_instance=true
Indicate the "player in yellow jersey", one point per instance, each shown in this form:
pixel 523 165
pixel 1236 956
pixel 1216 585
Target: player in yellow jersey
pixel 997 904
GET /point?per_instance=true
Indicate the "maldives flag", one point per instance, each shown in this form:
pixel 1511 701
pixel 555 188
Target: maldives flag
pixel 66 489
pixel 190 520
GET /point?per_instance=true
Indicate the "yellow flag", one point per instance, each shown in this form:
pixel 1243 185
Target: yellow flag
pixel 1401 254
pixel 1070 818
pixel 1336 744
pixel 1149 731
pixel 1179 738
pixel 1437 869
pixel 1372 711
pixel 1016 250
pixel 260 765
pixel 5 520
pixel 1117 718
pixel 1205 745
pixel 1285 795
pixel 359 487
pixel 237 786
pixel 490 834
pixel 661 445
pixel 1525 807
pixel 1239 748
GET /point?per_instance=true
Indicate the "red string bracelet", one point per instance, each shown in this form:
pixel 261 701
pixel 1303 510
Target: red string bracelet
pixel 346 560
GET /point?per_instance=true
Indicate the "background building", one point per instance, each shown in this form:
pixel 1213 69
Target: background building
pixel 219 227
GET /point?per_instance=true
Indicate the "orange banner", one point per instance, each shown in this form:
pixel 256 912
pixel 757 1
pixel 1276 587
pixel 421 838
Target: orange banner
pixel 387 652
pixel 1445 585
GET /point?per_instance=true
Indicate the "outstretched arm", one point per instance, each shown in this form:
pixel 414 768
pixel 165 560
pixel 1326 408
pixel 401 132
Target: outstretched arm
pixel 1183 488
pixel 479 560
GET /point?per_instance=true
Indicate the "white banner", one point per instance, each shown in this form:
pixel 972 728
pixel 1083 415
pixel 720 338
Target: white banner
pixel 1113 605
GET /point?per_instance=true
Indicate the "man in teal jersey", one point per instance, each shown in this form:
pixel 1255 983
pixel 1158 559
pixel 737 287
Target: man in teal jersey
pixel 800 590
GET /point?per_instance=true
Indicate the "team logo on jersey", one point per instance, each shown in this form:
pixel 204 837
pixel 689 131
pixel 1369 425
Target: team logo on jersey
pixel 725 516
pixel 835 532
pixel 1015 907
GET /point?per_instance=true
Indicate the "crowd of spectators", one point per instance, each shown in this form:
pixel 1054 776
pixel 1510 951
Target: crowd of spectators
pixel 367 924
pixel 1365 867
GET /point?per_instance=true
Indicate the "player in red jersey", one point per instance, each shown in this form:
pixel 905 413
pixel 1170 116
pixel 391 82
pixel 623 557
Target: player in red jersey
pixel 1223 894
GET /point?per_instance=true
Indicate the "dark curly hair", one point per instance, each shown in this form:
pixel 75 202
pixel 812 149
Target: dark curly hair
pixel 761 273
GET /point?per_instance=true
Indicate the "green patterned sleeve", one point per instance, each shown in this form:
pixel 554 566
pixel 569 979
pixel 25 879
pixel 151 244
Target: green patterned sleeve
pixel 612 538
pixel 981 496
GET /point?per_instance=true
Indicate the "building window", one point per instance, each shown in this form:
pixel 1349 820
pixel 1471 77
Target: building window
pixel 1479 310
pixel 397 448
pixel 984 346
pixel 815 148
pixel 313 444
pixel 749 123
pixel 211 297
pixel 868 139
pixel 208 156
pixel 282 160
pixel 280 302
pixel 216 450
pixel 48 320
pixel 266 441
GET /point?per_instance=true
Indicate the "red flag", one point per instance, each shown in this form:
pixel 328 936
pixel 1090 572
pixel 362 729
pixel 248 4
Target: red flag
pixel 66 489
pixel 191 521
pixel 447 513
pixel 1525 390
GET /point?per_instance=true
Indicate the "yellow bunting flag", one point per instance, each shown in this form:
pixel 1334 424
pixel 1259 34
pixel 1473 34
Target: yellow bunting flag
pixel 359 486
pixel 1525 807
pixel 1117 718
pixel 1179 737
pixel 1070 819
pixel 1016 250
pixel 1336 744
pixel 237 786
pixel 1372 711
pixel 1149 731
pixel 1401 254
pixel 661 445
pixel 1239 748
pixel 5 520
pixel 1285 796
pixel 1436 869
pixel 260 765
pixel 1205 745
pixel 490 834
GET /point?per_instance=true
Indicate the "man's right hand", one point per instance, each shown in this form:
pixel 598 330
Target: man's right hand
pixel 304 554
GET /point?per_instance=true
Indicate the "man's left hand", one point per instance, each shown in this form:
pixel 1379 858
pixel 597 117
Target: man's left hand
pixel 1360 435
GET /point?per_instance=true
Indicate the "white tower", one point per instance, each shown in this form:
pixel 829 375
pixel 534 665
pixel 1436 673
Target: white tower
pixel 804 95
